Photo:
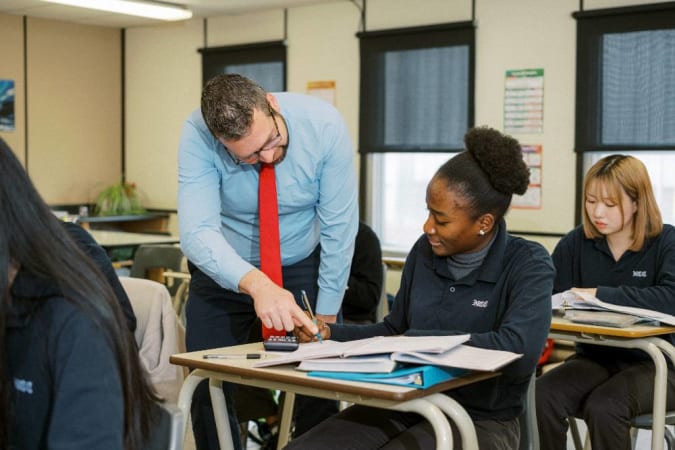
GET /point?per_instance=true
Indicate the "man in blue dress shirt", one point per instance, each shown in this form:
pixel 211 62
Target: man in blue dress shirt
pixel 239 126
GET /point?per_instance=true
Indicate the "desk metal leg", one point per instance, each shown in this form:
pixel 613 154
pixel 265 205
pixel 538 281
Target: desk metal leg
pixel 185 397
pixel 219 406
pixel 435 416
pixel 458 414
pixel 655 349
pixel 286 419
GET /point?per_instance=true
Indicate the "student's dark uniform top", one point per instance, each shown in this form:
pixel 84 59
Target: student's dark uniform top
pixel 364 287
pixel 100 258
pixel 644 279
pixel 505 304
pixel 65 388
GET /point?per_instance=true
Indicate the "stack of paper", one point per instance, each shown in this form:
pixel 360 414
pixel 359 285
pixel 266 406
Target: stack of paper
pixel 463 356
pixel 583 300
pixel 383 353
pixel 370 346
pixel 361 364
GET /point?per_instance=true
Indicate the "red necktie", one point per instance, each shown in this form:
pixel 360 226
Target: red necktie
pixel 270 247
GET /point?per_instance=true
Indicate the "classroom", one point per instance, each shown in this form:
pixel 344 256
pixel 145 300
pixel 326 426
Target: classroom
pixel 102 98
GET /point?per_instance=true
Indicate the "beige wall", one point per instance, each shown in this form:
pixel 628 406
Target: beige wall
pixel 71 140
pixel 74 109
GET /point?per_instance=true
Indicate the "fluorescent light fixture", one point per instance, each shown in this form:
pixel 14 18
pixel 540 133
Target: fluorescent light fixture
pixel 151 10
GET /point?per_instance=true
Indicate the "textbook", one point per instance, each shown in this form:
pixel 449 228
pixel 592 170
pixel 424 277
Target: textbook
pixel 605 318
pixel 581 300
pixel 462 356
pixel 420 377
pixel 362 364
pixel 369 346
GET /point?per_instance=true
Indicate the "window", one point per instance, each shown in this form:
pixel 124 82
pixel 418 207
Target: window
pixel 626 92
pixel 416 106
pixel 265 63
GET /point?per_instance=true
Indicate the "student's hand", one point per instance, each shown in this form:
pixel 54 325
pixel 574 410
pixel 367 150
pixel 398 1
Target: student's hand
pixel 591 291
pixel 305 335
pixel 274 305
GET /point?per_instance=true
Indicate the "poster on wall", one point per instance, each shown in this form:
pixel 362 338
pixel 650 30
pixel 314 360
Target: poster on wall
pixel 324 90
pixel 6 105
pixel 524 101
pixel 531 199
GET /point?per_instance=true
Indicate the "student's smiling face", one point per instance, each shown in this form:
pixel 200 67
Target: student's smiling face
pixel 450 227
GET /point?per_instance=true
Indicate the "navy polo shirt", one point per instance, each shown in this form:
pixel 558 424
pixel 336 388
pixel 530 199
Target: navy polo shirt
pixel 505 304
pixel 643 279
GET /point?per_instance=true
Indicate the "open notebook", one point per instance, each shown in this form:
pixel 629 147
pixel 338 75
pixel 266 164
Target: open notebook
pixel 570 300
pixel 370 346
pixel 383 352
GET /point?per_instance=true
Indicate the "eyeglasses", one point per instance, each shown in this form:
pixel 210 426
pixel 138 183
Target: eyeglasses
pixel 271 144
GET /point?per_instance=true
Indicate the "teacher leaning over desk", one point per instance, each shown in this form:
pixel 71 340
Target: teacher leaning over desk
pixel 239 131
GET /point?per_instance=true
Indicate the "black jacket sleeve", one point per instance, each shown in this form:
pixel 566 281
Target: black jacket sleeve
pixel 101 259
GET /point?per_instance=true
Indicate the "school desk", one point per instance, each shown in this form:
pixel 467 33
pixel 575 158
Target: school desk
pixel 430 403
pixel 642 337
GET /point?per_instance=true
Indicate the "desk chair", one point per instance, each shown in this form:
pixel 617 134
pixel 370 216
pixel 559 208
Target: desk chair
pixel 644 421
pixel 152 260
pixel 383 306
pixel 641 422
pixel 168 433
pixel 158 334
pixel 529 433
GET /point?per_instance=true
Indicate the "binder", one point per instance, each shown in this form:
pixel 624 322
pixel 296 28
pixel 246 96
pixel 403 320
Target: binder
pixel 420 377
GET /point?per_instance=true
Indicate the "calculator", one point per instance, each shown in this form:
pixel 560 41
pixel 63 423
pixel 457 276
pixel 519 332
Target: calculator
pixel 281 343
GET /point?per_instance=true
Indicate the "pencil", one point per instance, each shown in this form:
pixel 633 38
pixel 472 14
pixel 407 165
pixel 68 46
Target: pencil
pixel 311 314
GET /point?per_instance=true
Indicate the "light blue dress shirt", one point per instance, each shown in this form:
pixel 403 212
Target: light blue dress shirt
pixel 316 190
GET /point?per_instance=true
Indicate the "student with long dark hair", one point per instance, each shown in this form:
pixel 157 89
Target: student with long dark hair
pixel 466 274
pixel 70 376
pixel 622 254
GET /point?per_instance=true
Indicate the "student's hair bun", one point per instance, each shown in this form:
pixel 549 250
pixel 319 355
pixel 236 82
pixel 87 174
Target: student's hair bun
pixel 500 157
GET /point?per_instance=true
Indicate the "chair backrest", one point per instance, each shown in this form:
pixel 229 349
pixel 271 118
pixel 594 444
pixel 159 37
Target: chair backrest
pixel 529 432
pixel 159 334
pixel 383 306
pixel 161 257
pixel 168 432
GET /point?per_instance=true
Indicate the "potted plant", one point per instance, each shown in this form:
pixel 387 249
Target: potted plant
pixel 120 199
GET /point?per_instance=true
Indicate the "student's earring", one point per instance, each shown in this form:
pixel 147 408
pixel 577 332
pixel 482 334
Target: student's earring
pixel 481 232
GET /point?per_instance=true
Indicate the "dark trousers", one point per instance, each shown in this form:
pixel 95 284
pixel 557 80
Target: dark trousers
pixel 365 428
pixel 606 394
pixel 217 317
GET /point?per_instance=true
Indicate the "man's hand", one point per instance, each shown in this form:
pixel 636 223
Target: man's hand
pixel 274 305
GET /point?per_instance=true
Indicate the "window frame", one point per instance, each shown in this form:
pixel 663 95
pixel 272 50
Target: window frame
pixel 591 27
pixel 371 44
pixel 214 58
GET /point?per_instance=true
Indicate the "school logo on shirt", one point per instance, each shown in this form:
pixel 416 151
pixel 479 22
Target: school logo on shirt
pixel 25 386
pixel 639 274
pixel 479 303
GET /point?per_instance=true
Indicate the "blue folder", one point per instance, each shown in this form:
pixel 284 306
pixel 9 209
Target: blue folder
pixel 420 377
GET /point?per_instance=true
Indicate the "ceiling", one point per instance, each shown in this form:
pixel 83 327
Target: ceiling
pixel 200 9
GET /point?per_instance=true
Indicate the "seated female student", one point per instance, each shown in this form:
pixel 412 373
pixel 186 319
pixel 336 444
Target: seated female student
pixel 466 274
pixel 70 376
pixel 622 254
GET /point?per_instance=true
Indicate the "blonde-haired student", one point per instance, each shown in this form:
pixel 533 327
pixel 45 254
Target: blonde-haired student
pixel 622 254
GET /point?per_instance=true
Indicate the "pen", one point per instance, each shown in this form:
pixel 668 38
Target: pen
pixel 233 356
pixel 311 314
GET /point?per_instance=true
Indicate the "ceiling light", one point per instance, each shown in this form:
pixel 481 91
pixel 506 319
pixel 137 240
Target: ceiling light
pixel 152 10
